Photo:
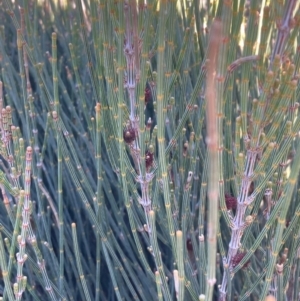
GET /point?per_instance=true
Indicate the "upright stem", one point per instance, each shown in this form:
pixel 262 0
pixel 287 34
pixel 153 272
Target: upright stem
pixel 59 165
pixel 213 146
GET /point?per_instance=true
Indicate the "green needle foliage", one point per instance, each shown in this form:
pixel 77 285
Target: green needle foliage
pixel 149 150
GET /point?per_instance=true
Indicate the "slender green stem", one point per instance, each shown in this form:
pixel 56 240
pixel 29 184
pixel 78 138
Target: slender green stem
pixel 59 165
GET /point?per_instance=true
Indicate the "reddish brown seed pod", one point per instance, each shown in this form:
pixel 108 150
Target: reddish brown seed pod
pixel 129 134
pixel 231 201
pixel 148 159
pixel 238 258
pixel 147 95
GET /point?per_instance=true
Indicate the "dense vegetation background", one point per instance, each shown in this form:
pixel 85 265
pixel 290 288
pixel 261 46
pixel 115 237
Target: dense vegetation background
pixel 149 150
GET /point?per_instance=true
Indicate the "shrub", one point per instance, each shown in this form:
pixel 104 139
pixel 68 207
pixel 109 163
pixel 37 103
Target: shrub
pixel 149 150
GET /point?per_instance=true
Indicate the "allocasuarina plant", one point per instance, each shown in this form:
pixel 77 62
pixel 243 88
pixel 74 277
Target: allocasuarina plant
pixel 149 150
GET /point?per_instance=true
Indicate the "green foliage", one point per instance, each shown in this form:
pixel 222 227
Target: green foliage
pixel 149 150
